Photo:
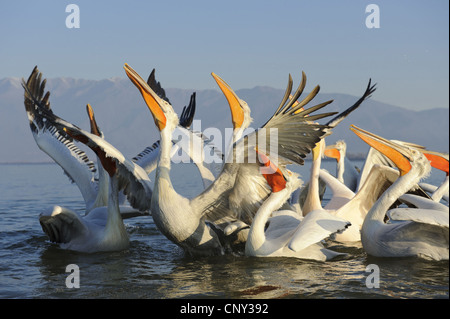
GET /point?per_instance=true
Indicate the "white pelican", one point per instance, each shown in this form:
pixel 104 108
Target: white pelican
pixel 439 161
pixel 74 161
pixel 185 221
pixel 374 157
pixel 60 147
pixel 346 172
pixel 62 225
pixel 247 176
pixel 242 206
pixel 148 158
pixel 312 200
pixel 289 235
pixel 101 230
pixel 412 232
pixel 344 202
pixel 355 206
pixel 240 111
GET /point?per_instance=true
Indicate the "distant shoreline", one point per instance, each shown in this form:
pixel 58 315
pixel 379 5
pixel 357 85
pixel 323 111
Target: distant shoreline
pixel 352 157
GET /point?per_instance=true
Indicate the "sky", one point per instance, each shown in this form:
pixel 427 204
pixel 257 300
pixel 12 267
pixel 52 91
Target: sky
pixel 248 43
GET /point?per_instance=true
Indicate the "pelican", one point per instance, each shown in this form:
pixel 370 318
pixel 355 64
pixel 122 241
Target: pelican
pixel 245 206
pixel 59 223
pixel 240 111
pixel 242 206
pixel 74 161
pixel 147 159
pixel 344 203
pixel 101 230
pixel 247 176
pixel 312 200
pixel 346 172
pixel 439 161
pixel 416 232
pixel 355 206
pixel 374 157
pixel 187 222
pixel 293 236
pixel 61 148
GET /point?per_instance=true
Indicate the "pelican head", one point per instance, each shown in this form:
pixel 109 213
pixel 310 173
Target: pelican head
pixel 240 111
pixel 438 160
pixel 162 111
pixel 403 157
pixel 276 179
pixel 336 151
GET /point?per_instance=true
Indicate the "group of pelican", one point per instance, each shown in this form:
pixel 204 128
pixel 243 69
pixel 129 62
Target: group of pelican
pixel 255 206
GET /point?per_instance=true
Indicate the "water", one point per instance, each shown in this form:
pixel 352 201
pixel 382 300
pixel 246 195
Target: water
pixel 153 267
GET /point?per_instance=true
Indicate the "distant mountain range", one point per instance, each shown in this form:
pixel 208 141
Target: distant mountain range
pixel 128 124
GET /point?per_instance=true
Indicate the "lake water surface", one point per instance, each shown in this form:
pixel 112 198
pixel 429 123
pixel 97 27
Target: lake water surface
pixel 153 267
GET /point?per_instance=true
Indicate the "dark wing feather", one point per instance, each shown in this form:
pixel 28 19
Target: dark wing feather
pixel 188 112
pixel 187 115
pixel 36 102
pixel 148 157
pixel 367 94
pixel 293 127
pixel 156 86
pixel 296 136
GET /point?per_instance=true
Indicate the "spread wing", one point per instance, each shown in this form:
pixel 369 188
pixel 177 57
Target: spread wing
pixel 290 129
pixel 57 144
pixel 132 178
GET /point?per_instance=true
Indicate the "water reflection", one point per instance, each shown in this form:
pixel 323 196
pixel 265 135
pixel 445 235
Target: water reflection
pixel 153 267
pixel 162 271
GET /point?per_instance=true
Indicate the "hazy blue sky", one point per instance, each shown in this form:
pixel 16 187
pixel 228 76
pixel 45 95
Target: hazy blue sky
pixel 248 43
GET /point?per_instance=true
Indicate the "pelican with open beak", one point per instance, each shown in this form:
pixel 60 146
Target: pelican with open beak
pixel 409 231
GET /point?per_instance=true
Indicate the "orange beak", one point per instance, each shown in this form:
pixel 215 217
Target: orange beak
pixel 391 150
pixel 332 152
pixel 437 161
pixel 237 113
pixel 152 100
pixel 94 127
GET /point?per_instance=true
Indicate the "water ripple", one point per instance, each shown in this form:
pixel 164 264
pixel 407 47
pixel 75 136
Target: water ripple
pixel 153 267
